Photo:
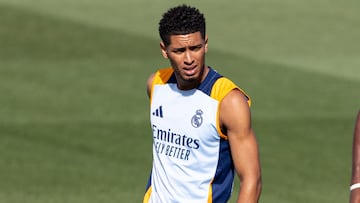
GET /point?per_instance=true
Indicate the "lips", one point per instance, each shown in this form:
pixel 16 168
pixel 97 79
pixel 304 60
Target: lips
pixel 190 70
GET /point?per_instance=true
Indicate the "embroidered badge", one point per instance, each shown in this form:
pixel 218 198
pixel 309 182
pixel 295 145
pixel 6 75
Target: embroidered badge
pixel 197 119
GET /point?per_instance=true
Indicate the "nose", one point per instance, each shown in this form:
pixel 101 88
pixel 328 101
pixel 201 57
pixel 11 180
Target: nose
pixel 188 58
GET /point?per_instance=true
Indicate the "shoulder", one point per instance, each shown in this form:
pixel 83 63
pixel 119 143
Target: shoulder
pixel 235 99
pixel 223 86
pixel 159 77
pixel 234 108
pixel 149 83
pixel 234 113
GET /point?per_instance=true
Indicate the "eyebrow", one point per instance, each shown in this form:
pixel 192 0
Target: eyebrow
pixel 184 48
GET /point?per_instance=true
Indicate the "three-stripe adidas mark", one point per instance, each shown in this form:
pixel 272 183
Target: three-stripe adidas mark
pixel 158 112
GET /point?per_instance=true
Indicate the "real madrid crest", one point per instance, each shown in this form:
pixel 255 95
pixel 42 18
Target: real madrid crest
pixel 197 119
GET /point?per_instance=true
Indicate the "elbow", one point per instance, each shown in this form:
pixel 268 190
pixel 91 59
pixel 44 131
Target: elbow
pixel 252 186
pixel 258 187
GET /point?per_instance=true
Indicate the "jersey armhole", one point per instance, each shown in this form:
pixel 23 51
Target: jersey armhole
pixel 220 89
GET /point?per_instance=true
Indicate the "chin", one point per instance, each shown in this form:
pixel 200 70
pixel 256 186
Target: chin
pixel 191 77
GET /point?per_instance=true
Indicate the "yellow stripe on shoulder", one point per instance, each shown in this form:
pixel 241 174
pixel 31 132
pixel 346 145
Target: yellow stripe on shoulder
pixel 162 76
pixel 219 90
pixel 222 87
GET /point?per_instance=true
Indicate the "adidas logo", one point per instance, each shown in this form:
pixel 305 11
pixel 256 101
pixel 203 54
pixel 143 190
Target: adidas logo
pixel 158 112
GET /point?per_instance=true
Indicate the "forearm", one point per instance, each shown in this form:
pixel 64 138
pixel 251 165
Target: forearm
pixel 249 191
pixel 355 178
pixel 355 196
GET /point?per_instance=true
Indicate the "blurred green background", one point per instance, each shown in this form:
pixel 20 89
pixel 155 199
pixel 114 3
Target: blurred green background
pixel 74 120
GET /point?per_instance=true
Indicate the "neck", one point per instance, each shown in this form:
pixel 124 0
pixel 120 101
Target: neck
pixel 194 83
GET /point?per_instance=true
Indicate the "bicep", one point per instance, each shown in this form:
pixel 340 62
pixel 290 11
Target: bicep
pixel 244 150
pixel 235 117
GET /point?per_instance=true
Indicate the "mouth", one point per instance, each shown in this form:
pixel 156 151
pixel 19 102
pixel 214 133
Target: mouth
pixel 190 70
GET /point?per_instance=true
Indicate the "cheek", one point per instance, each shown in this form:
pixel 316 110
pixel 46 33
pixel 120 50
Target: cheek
pixel 174 63
pixel 200 56
pixel 174 59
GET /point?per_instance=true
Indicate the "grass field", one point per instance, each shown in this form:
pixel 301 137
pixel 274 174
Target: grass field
pixel 74 124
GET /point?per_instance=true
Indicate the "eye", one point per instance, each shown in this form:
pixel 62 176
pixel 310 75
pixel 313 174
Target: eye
pixel 196 48
pixel 179 51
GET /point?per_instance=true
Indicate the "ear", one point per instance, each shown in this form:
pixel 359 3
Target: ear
pixel 206 43
pixel 163 50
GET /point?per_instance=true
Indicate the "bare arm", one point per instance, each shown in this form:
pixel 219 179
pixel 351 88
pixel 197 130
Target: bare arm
pixel 355 178
pixel 235 117
pixel 149 84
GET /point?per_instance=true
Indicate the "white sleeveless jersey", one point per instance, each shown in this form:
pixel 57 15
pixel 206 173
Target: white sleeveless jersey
pixel 191 157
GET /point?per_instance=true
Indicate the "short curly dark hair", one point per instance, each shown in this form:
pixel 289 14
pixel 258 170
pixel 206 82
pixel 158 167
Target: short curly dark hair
pixel 181 20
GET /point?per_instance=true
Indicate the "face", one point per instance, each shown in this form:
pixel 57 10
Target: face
pixel 186 54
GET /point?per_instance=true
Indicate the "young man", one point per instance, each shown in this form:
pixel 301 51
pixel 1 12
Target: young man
pixel 200 122
pixel 355 178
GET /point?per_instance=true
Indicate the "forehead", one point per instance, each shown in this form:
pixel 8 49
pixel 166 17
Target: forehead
pixel 186 40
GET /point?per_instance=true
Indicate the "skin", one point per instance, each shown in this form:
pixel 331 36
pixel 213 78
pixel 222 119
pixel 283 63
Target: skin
pixel 186 54
pixel 355 178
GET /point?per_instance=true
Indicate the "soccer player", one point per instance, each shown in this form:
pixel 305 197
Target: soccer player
pixel 355 178
pixel 200 120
